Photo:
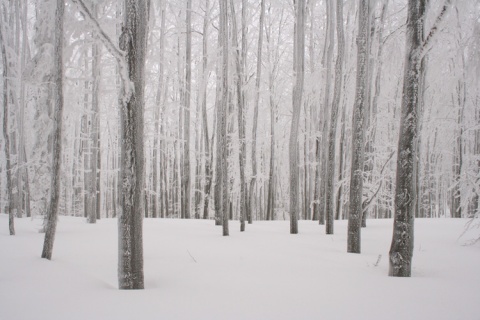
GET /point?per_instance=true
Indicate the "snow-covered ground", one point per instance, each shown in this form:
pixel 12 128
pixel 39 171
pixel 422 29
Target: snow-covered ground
pixel 192 272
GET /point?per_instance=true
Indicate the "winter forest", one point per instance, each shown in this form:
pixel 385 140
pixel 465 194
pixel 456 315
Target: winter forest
pixel 316 117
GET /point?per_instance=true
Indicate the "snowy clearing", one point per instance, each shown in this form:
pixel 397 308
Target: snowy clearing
pixel 192 272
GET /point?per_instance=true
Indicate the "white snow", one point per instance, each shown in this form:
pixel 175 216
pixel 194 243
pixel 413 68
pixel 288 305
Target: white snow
pixel 192 272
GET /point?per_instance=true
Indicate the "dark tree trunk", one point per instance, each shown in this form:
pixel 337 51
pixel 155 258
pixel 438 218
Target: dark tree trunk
pixel 401 250
pixel 130 220
pixel 299 53
pixel 358 132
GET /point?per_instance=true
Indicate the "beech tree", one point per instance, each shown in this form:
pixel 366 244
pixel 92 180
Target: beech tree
pixel 358 131
pixel 52 212
pixel 330 195
pixel 401 250
pixel 133 41
pixel 221 188
pixel 297 96
pixel 6 135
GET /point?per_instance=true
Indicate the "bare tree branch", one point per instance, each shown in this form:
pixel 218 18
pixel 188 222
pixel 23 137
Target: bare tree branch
pixel 118 54
pixel 366 204
pixel 433 31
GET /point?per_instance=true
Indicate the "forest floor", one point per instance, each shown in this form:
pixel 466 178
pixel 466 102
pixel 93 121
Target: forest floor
pixel 192 272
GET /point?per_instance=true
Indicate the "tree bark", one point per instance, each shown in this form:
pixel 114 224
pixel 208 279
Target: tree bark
pixel 186 185
pixel 252 188
pixel 206 141
pixel 241 118
pixel 6 136
pixel 358 132
pixel 323 218
pixel 222 174
pixel 52 212
pixel 297 96
pixel 130 220
pixel 401 250
pixel 330 192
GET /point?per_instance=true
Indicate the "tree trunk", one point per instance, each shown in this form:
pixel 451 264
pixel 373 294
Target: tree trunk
pixel 323 218
pixel 186 127
pixel 157 194
pixel 208 152
pixel 401 249
pixel 22 175
pixel 52 212
pixel 130 220
pixel 297 95
pixel 6 135
pixel 222 147
pixel 330 192
pixel 37 72
pixel 241 118
pixel 252 194
pixel 358 132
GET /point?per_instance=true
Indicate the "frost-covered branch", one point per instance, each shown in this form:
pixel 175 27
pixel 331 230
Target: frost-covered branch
pixel 433 30
pixel 118 54
pixel 366 203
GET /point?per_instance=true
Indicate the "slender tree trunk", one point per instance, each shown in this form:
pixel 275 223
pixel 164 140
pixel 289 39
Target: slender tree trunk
pixel 330 192
pixel 222 158
pixel 22 178
pixel 52 212
pixel 93 131
pixel 158 118
pixel 218 128
pixel 241 117
pixel 297 107
pixel 271 172
pixel 323 218
pixel 358 132
pixel 6 136
pixel 340 166
pixel 251 207
pixel 186 185
pixel 208 152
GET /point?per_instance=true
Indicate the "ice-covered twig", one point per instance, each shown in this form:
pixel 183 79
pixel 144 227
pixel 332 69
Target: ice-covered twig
pixel 118 54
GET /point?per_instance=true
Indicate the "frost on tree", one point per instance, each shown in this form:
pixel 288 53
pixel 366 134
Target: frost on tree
pixel 6 136
pixel 133 42
pixel 39 73
pixel 358 132
pixel 131 63
pixel 296 105
pixel 52 211
pixel 222 161
pixel 401 250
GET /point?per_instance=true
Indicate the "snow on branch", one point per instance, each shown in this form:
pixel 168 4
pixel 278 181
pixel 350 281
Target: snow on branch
pixel 366 203
pixel 118 54
pixel 433 30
